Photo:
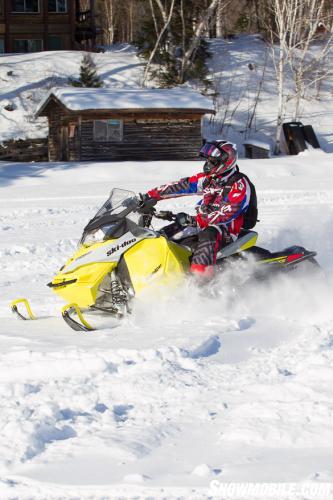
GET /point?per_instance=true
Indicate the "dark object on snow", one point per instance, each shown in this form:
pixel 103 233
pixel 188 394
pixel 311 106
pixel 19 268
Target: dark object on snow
pixel 310 136
pixel 297 135
pixel 256 150
pixel 293 132
pixel 9 73
pixel 9 107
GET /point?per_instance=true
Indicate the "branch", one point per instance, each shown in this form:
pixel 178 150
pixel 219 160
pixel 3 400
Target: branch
pixel 153 52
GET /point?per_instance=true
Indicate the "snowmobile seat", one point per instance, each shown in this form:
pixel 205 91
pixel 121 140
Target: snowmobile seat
pixel 245 236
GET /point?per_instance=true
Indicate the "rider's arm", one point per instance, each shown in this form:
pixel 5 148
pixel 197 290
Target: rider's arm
pixel 235 203
pixel 183 187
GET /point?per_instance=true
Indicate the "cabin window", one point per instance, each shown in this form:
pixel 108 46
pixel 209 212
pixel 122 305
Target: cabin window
pixel 2 46
pixel 57 6
pixel 25 5
pixel 55 42
pixel 108 130
pixel 28 45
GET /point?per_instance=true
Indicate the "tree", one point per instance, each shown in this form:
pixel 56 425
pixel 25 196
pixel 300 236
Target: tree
pixel 167 21
pixel 294 26
pixel 88 75
pixel 172 40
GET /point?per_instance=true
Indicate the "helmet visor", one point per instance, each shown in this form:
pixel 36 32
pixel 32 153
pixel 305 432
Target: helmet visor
pixel 213 154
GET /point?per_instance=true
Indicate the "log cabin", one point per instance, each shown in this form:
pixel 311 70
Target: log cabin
pixel 37 25
pixel 111 125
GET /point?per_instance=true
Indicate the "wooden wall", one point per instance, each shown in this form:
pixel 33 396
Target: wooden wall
pixel 172 139
pixel 56 119
pixel 24 150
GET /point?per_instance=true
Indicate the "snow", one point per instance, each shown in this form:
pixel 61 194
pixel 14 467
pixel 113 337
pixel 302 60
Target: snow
pixel 259 144
pixel 26 80
pixel 192 392
pixel 85 99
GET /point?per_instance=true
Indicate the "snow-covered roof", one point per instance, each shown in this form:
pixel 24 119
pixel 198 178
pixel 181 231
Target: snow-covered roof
pixel 84 99
pixel 258 144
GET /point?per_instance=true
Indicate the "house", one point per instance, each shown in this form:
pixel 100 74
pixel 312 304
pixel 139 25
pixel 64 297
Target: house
pixel 136 124
pixel 36 25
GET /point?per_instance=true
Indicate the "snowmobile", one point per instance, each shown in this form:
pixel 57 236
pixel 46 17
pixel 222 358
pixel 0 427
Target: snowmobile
pixel 120 256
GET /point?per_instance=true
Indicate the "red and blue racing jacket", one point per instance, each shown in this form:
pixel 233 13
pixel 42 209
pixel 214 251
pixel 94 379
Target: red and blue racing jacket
pixel 225 199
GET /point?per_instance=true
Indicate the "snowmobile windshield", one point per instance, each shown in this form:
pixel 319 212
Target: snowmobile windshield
pixel 119 202
pixel 110 220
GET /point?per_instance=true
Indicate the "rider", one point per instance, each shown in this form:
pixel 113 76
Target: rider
pixel 228 204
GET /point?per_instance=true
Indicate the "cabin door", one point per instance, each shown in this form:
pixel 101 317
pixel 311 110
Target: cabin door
pixel 64 150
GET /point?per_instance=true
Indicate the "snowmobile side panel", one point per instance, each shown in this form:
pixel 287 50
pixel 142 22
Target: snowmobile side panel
pixel 15 310
pixel 82 285
pixel 156 261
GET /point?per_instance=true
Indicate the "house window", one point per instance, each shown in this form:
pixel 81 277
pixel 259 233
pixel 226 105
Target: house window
pixel 25 5
pixel 28 45
pixel 55 42
pixel 57 6
pixel 2 46
pixel 108 130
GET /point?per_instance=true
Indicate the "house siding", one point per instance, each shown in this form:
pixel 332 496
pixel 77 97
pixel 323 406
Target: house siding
pixel 38 25
pixel 157 140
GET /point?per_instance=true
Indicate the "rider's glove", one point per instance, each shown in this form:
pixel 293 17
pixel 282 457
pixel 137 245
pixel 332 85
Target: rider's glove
pixel 146 202
pixel 184 219
pixel 201 221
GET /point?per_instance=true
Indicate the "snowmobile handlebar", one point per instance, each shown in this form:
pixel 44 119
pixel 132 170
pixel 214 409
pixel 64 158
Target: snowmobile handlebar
pixel 165 215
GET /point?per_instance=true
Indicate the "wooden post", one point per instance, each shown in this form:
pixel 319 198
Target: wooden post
pixel 79 133
pixel 7 9
pixel 72 20
pixel 45 15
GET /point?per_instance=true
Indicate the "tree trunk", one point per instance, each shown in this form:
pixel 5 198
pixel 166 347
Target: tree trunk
pixel 219 18
pixel 194 44
pixel 152 55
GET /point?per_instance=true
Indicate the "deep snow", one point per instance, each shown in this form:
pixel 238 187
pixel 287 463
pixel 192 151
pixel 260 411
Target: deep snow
pixel 189 389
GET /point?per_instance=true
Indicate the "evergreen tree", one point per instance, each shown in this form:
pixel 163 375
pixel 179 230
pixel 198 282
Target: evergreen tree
pixel 88 74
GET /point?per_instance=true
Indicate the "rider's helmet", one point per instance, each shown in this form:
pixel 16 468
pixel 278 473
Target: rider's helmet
pixel 221 157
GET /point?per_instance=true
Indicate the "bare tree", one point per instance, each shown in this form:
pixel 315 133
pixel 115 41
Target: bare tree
pixel 294 28
pixel 194 43
pixel 219 19
pixel 107 21
pixel 158 41
pixel 153 15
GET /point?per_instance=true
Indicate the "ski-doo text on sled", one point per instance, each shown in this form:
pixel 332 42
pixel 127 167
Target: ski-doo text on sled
pixel 119 257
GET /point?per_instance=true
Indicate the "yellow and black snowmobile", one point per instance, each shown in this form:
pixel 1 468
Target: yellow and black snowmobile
pixel 120 257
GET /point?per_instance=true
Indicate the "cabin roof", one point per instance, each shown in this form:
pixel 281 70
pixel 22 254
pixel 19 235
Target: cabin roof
pixel 89 99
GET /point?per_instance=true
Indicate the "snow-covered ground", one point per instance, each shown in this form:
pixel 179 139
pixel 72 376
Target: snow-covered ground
pixel 190 389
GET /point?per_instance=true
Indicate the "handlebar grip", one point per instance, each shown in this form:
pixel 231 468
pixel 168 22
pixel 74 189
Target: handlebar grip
pixel 165 215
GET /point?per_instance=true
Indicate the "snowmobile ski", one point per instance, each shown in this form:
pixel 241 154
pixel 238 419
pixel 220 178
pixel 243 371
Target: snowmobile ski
pixel 15 310
pixel 83 325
